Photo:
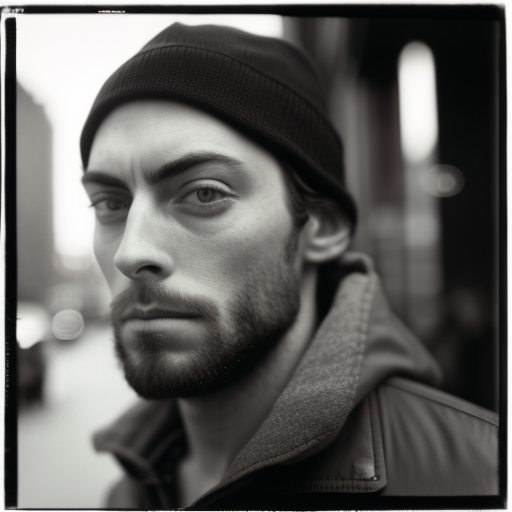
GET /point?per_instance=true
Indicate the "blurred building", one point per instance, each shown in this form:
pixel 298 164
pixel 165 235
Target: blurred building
pixel 42 276
pixel 440 271
pixel 34 200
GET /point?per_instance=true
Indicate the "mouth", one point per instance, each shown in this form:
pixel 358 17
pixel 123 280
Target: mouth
pixel 157 314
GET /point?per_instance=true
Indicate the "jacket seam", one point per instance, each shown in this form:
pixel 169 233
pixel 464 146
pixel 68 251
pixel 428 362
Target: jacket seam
pixel 334 479
pixel 430 399
pixel 322 484
pixel 355 486
pixel 378 408
pixel 320 488
pixel 376 461
pixel 364 317
pixel 316 485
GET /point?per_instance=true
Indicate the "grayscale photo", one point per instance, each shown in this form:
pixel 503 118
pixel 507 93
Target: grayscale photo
pixel 255 259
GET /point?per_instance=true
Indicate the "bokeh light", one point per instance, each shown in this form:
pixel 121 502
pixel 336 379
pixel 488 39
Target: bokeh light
pixel 68 324
pixel 442 180
pixel 33 323
pixel 418 101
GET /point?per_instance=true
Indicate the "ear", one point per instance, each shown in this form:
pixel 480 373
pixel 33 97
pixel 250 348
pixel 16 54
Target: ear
pixel 327 234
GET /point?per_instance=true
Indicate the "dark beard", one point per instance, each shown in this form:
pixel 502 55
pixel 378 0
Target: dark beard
pixel 257 319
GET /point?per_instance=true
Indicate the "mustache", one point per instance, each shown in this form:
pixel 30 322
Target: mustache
pixel 158 296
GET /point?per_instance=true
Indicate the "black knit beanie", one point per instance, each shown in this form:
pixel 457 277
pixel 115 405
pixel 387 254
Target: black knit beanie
pixel 264 87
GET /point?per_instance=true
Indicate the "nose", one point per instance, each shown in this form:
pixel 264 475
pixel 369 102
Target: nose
pixel 143 252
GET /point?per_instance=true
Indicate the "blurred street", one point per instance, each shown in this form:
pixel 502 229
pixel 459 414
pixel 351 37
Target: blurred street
pixel 83 392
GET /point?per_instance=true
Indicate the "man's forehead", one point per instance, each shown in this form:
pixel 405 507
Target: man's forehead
pixel 144 119
pixel 150 133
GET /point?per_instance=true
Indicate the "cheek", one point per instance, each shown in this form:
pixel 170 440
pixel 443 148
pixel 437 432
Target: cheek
pixel 245 249
pixel 263 238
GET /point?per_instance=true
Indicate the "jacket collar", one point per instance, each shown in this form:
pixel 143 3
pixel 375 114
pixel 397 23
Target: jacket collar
pixel 343 363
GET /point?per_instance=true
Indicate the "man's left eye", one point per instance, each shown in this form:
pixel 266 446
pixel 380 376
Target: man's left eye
pixel 207 195
pixel 204 195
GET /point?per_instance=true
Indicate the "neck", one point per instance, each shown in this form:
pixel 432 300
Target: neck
pixel 219 425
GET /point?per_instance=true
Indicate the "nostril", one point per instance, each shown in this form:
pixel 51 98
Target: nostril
pixel 153 269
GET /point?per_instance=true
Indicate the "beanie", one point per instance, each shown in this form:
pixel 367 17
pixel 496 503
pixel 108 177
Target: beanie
pixel 265 87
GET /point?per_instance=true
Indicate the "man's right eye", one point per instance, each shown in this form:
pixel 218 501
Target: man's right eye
pixel 110 209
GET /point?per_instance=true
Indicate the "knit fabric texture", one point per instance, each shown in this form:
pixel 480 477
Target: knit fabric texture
pixel 264 87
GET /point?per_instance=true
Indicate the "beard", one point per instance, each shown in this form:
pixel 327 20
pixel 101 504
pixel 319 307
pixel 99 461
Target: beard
pixel 231 345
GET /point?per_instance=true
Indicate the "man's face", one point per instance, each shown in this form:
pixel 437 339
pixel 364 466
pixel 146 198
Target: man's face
pixel 197 244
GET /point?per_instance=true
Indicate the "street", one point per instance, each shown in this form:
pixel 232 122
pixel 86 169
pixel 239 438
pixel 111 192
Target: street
pixel 84 391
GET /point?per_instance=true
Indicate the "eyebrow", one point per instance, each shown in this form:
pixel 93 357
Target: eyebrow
pixel 102 178
pixel 165 171
pixel 184 163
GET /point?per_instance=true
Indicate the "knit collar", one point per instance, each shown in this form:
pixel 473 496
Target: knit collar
pixel 341 366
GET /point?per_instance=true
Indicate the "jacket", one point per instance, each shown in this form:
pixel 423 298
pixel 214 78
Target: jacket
pixel 357 423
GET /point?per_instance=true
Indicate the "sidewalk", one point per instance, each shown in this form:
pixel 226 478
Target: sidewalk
pixel 84 391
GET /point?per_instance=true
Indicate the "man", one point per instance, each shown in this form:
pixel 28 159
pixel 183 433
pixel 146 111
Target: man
pixel 275 374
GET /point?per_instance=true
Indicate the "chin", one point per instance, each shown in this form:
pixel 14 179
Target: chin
pixel 156 371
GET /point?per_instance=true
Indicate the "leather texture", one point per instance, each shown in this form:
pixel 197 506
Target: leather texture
pixel 435 444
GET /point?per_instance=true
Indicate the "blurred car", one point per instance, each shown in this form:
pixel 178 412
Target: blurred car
pixel 31 373
pixel 32 326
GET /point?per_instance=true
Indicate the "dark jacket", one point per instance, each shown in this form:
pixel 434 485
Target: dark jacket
pixel 358 421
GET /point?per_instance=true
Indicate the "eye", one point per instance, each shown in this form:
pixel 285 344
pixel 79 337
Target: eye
pixel 110 209
pixel 113 204
pixel 208 195
pixel 205 195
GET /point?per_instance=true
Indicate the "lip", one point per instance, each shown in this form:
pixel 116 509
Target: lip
pixel 157 314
